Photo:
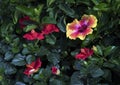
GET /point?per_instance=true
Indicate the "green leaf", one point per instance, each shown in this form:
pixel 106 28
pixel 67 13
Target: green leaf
pixel 15 49
pixel 49 2
pixel 86 2
pixel 30 59
pixel 68 11
pixel 25 51
pixel 51 39
pixel 87 41
pixel 43 75
pixel 36 77
pixel 109 65
pixel 47 20
pixel 73 53
pixel 56 82
pixel 9 69
pixel 43 51
pixel 95 2
pixel 29 27
pixel 18 60
pixel 96 72
pixel 75 79
pixel 101 7
pixel 77 65
pixel 20 83
pixel 107 75
pixel 61 24
pixel 15 17
pixel 70 1
pixel 26 10
pixel 38 10
pixel 109 50
pixel 8 56
pixel 40 83
pixel 53 58
pixel 99 50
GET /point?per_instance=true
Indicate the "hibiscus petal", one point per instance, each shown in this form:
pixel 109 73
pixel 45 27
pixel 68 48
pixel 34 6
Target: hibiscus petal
pixel 31 65
pixel 29 71
pixel 92 20
pixel 81 56
pixel 37 63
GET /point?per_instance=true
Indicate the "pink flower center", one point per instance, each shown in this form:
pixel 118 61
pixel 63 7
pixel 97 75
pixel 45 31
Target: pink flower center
pixel 82 28
pixel 83 25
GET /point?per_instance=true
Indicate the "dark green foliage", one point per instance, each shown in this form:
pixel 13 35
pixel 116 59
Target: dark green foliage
pixel 102 68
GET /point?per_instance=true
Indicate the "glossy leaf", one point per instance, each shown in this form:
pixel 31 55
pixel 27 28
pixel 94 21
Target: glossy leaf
pixel 68 11
pixel 75 79
pixel 29 27
pixel 26 10
pixel 49 2
pixel 18 60
pixel 47 20
pixel 51 39
pixel 53 58
pixel 61 24
pixel 97 72
pixel 8 56
pixel 56 82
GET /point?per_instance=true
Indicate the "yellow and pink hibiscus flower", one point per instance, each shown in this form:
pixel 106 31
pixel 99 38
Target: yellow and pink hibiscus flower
pixel 79 29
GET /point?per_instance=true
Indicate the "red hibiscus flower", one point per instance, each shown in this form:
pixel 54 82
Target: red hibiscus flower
pixel 85 53
pixel 33 67
pixel 49 28
pixel 23 20
pixel 55 70
pixel 33 35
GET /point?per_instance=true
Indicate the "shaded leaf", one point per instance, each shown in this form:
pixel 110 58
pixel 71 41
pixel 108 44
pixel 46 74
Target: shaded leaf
pixel 70 1
pixel 47 20
pixel 30 59
pixel 8 56
pixel 26 10
pixel 9 69
pixel 101 6
pixel 68 11
pixel 56 82
pixel 29 27
pixel 43 51
pixel 97 72
pixel 109 50
pixel 75 79
pixel 61 24
pixel 18 60
pixel 77 65
pixel 49 2
pixel 51 39
pixel 25 51
pixel 40 83
pixel 53 58
pixel 20 83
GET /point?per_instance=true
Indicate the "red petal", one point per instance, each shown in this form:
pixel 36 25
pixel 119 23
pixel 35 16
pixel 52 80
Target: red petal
pixel 81 56
pixel 28 36
pixel 37 64
pixel 31 65
pixel 40 36
pixel 54 70
pixel 28 71
pixel 49 28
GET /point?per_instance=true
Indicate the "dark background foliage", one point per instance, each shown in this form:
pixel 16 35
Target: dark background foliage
pixel 102 68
